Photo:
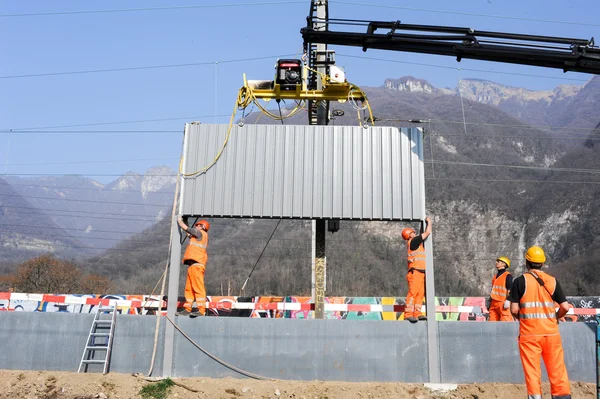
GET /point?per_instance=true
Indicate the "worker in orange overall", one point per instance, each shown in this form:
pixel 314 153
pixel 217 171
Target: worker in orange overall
pixel 532 298
pixel 501 282
pixel 195 257
pixel 416 272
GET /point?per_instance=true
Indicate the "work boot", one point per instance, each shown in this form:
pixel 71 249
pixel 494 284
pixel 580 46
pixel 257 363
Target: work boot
pixel 412 319
pixel 422 318
pixel 183 313
pixel 194 313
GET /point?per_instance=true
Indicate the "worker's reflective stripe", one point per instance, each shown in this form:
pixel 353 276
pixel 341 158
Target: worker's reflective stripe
pixel 197 244
pixel 416 258
pixel 416 255
pixel 499 290
pixel 534 396
pixel 560 396
pixel 536 305
pixel 537 316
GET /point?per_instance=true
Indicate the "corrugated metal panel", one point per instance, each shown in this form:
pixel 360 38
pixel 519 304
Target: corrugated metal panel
pixel 310 172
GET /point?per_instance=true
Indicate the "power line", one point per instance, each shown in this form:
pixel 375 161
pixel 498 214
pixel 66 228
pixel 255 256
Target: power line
pixel 32 75
pixel 24 132
pixel 82 175
pixel 63 236
pixel 549 169
pixel 37 227
pixel 115 123
pixel 513 180
pixel 507 125
pixel 6 183
pixel 370 5
pixel 461 69
pixel 493 136
pixel 82 200
pixel 94 217
pixel 86 213
pixel 40 14
pixel 561 129
pixel 89 162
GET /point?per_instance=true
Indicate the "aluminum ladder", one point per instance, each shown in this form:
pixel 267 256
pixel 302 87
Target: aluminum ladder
pixel 100 339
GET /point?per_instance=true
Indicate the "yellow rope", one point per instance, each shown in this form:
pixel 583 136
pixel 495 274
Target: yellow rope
pixel 246 97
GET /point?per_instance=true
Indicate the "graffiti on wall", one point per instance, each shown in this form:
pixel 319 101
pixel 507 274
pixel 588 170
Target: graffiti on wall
pixel 583 309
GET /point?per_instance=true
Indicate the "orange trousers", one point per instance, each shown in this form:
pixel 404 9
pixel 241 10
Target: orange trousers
pixel 549 347
pixel 498 313
pixel 194 288
pixel 416 293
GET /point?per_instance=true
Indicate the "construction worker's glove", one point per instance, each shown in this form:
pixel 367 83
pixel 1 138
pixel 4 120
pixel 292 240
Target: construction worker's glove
pixel 507 304
pixel 488 303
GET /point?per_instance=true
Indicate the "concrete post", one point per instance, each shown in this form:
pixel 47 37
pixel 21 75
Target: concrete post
pixel 172 295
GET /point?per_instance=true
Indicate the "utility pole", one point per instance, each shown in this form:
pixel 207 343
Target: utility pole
pixel 319 60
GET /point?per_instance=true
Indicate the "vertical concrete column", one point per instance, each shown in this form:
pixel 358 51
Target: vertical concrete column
pixel 432 324
pixel 320 262
pixel 173 295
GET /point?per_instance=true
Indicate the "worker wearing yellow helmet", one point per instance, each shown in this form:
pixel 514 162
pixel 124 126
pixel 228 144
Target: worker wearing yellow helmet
pixel 532 298
pixel 499 306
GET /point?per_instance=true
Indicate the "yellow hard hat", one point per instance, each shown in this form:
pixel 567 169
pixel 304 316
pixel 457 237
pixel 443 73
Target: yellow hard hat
pixel 505 260
pixel 535 255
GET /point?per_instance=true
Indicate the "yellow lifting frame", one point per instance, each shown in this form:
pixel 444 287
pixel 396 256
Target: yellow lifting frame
pixel 331 92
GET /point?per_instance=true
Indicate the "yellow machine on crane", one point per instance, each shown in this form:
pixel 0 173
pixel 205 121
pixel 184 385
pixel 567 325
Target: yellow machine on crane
pixel 290 83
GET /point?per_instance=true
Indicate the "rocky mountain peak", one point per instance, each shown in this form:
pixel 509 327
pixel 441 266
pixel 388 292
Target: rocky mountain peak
pixel 410 84
pixel 129 181
pixel 493 93
pixel 157 178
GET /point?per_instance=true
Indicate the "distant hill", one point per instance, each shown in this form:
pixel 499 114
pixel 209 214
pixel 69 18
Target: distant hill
pixel 495 185
pixel 98 215
pixel 26 231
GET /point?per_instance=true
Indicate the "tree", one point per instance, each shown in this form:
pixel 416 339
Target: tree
pixel 47 274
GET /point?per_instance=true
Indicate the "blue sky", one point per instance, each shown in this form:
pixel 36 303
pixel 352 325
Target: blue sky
pixel 224 39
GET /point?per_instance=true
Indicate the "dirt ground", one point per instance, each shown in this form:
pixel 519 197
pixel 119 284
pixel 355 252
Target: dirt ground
pixel 66 385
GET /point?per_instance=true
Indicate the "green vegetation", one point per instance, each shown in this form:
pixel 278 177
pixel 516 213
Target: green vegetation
pixel 158 390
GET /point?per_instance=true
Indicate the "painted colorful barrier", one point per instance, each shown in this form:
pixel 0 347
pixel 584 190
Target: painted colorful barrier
pixel 584 309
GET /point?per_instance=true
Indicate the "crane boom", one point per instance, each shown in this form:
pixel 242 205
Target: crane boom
pixel 568 54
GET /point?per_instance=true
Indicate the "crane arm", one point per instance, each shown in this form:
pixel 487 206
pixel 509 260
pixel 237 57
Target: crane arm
pixel 568 54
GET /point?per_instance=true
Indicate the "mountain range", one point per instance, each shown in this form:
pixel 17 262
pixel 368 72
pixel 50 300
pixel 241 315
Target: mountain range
pixel 505 168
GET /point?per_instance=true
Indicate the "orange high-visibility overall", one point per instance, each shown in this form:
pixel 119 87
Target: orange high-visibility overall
pixel 416 281
pixel 539 336
pixel 196 257
pixel 498 295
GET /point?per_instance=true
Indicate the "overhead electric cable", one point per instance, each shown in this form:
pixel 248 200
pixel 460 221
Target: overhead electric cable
pixel 43 14
pixel 513 180
pixel 82 175
pixel 38 227
pixel 85 213
pixel 370 5
pixel 97 188
pixel 82 200
pixel 64 236
pixel 470 14
pixel 120 132
pixel 31 75
pixel 550 169
pixel 189 118
pixel 88 162
pixel 461 69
